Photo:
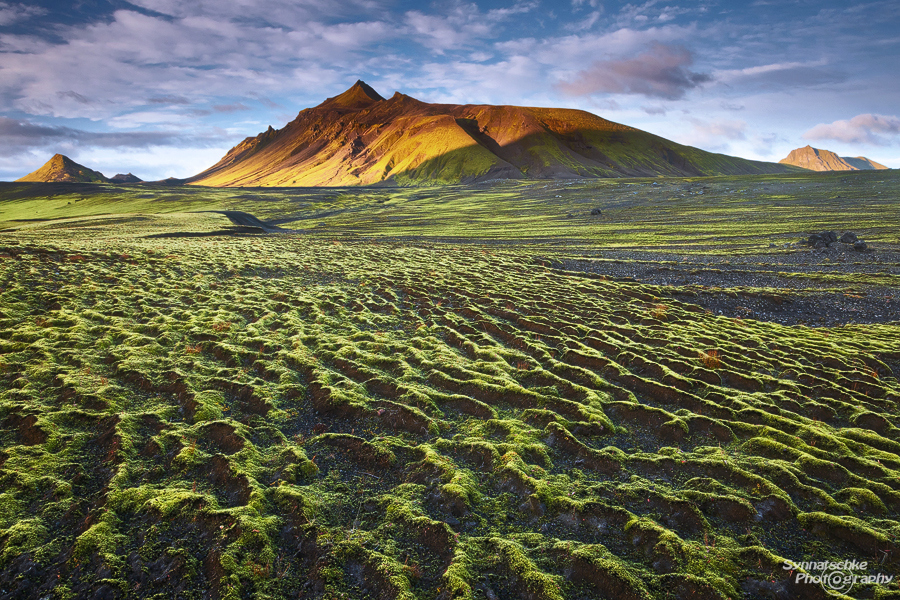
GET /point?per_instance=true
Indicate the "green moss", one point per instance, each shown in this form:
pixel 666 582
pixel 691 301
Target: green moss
pixel 101 539
pixel 209 405
pixel 481 351
pixel 531 581
pixel 23 536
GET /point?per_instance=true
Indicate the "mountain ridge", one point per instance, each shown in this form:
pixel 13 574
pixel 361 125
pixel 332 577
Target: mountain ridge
pixel 360 138
pixel 817 159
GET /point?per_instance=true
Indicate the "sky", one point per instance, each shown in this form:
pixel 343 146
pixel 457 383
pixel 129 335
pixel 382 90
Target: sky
pixel 163 88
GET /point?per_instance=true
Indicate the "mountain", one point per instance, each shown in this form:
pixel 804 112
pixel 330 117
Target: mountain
pixel 816 159
pixel 63 168
pixel 360 138
pixel 125 178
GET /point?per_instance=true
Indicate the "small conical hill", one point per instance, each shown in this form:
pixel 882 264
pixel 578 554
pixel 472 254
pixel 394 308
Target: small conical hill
pixel 63 169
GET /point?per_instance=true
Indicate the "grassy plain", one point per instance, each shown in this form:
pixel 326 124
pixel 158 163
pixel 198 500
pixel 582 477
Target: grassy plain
pixel 404 393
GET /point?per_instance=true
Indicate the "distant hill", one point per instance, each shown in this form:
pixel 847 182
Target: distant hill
pixel 63 169
pixel 126 178
pixel 816 159
pixel 360 138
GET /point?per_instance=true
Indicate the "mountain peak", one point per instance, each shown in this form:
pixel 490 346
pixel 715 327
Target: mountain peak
pixel 63 168
pixel 359 138
pixel 360 95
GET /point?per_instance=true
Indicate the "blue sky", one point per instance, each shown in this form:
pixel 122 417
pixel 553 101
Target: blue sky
pixel 164 88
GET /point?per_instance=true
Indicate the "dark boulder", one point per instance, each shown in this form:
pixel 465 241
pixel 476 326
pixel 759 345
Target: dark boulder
pixel 849 238
pixel 860 246
pixel 817 241
pixel 596 212
pixel 823 239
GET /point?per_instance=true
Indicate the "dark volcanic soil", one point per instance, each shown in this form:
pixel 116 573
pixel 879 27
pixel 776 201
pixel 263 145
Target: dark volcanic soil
pixel 816 287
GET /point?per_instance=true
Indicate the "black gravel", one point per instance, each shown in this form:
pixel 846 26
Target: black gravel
pixel 789 285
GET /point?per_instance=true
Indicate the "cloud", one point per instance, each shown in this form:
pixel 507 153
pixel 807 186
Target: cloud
pixel 168 100
pixel 781 75
pixel 14 13
pixel 196 59
pixel 24 136
pixel 279 13
pixel 230 108
pixel 642 14
pixel 714 135
pixel 876 130
pixel 74 96
pixel 660 72
pixel 587 22
pixel 731 130
pixel 580 49
pixel 460 26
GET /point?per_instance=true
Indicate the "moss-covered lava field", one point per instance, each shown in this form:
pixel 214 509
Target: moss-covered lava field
pixel 448 393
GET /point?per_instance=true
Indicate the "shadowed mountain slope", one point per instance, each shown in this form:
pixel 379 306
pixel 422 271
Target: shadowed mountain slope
pixel 816 159
pixel 125 178
pixel 63 169
pixel 360 138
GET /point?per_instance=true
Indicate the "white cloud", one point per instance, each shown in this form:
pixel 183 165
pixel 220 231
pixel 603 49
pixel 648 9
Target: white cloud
pixel 568 54
pixel 875 130
pixel 197 58
pixel 461 25
pixel 14 13
pixel 587 23
pixel 650 12
pixel 732 74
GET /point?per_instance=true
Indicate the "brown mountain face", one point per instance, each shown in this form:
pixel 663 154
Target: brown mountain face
pixel 816 159
pixel 361 138
pixel 63 169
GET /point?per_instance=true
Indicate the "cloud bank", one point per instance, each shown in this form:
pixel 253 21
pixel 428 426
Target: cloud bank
pixel 660 72
pixel 875 130
pixel 24 136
